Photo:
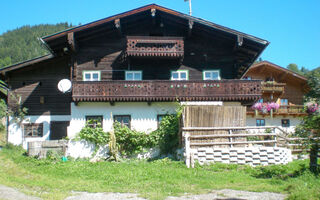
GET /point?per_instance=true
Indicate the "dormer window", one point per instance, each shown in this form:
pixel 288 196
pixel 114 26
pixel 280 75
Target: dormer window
pixel 180 75
pixel 133 75
pixel 91 76
pixel 211 75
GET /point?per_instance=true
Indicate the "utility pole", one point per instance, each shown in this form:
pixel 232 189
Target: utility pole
pixel 190 7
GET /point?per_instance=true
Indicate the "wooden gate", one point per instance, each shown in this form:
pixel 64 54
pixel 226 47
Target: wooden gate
pixel 214 116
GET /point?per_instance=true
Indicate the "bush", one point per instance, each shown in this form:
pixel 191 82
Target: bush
pixel 95 135
pixel 168 134
pixel 132 141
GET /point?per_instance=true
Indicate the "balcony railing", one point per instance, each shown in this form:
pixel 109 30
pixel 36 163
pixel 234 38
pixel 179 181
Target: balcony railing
pixel 156 90
pixel 149 46
pixel 273 87
pixel 283 110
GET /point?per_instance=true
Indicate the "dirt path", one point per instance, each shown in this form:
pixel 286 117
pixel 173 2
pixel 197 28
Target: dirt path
pixel 7 193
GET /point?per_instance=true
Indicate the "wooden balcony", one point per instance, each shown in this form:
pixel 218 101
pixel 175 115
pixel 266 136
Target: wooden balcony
pixel 164 90
pixel 294 110
pixel 149 46
pixel 272 87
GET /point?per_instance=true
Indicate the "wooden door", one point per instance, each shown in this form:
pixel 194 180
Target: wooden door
pixel 58 129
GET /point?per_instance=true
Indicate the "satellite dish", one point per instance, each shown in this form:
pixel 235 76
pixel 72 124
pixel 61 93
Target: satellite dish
pixel 64 85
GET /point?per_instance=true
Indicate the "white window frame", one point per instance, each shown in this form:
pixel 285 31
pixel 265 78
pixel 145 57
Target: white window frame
pixel 179 75
pixel 211 71
pixel 286 102
pixel 91 75
pixel 133 73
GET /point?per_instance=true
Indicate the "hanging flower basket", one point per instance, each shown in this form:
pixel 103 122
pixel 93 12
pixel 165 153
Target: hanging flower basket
pixel 312 107
pixel 265 108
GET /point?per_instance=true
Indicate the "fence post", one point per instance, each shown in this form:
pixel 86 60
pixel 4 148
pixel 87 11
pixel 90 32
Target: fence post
pixel 230 138
pixel 187 149
pixel 275 137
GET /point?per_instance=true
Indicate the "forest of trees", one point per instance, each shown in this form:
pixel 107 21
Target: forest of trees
pixel 22 43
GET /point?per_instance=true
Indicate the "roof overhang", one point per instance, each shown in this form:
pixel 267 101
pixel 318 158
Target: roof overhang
pixel 247 47
pixel 275 67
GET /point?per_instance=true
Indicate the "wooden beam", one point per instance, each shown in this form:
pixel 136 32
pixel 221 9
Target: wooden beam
pixel 72 42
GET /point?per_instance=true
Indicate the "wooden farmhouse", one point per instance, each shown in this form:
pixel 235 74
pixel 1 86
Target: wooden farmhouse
pixel 283 87
pixel 134 67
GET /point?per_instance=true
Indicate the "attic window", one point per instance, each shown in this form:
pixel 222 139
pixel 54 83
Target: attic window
pixel 211 75
pixel 91 76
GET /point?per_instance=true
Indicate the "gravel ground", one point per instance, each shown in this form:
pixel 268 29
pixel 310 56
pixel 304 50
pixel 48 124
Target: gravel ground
pixel 7 193
pixel 227 194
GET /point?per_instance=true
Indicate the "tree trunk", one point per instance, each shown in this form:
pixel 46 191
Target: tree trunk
pixel 314 157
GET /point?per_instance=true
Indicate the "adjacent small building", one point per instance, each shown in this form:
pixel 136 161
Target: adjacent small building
pixel 282 86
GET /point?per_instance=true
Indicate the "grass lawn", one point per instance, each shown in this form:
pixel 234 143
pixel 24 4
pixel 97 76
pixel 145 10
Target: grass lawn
pixel 154 180
pixel 2 137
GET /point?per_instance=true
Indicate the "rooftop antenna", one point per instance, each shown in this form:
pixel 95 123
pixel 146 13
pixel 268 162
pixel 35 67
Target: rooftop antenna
pixel 190 7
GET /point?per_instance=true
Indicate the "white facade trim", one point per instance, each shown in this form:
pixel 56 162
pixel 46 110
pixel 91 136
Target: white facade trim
pixel 15 131
pixel 143 116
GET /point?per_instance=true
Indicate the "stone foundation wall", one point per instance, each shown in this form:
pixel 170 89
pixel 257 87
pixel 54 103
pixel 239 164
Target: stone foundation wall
pixel 250 155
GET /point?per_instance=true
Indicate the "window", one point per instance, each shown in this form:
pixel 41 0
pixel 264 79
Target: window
pixel 33 130
pixel 211 75
pixel 159 119
pixel 285 122
pixel 284 102
pixel 133 75
pixel 125 120
pixel 260 122
pixel 91 75
pixel 180 75
pixel 94 121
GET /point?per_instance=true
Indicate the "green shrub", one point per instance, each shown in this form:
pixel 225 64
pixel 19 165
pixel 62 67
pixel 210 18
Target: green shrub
pixel 271 171
pixel 54 155
pixel 132 141
pixel 95 135
pixel 167 134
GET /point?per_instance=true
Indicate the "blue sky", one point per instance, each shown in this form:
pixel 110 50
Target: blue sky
pixel 292 26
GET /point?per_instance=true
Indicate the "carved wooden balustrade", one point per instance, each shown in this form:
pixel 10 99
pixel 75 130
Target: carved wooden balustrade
pixel 272 87
pixel 155 46
pixel 164 90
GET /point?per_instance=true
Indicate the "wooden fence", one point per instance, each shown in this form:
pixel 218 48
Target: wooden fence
pixel 224 137
pixel 230 136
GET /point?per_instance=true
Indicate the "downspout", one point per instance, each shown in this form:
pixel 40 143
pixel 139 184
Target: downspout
pixel 46 46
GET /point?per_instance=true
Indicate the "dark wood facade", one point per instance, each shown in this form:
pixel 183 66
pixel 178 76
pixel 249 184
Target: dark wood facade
pixel 36 87
pixel 151 39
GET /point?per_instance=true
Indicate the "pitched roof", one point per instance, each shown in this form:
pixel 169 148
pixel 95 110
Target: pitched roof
pixel 26 63
pixel 149 7
pixel 248 53
pixel 276 67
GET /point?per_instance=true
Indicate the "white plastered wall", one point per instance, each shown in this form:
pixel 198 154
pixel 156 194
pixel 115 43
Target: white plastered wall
pixel 143 116
pixel 275 121
pixel 15 132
